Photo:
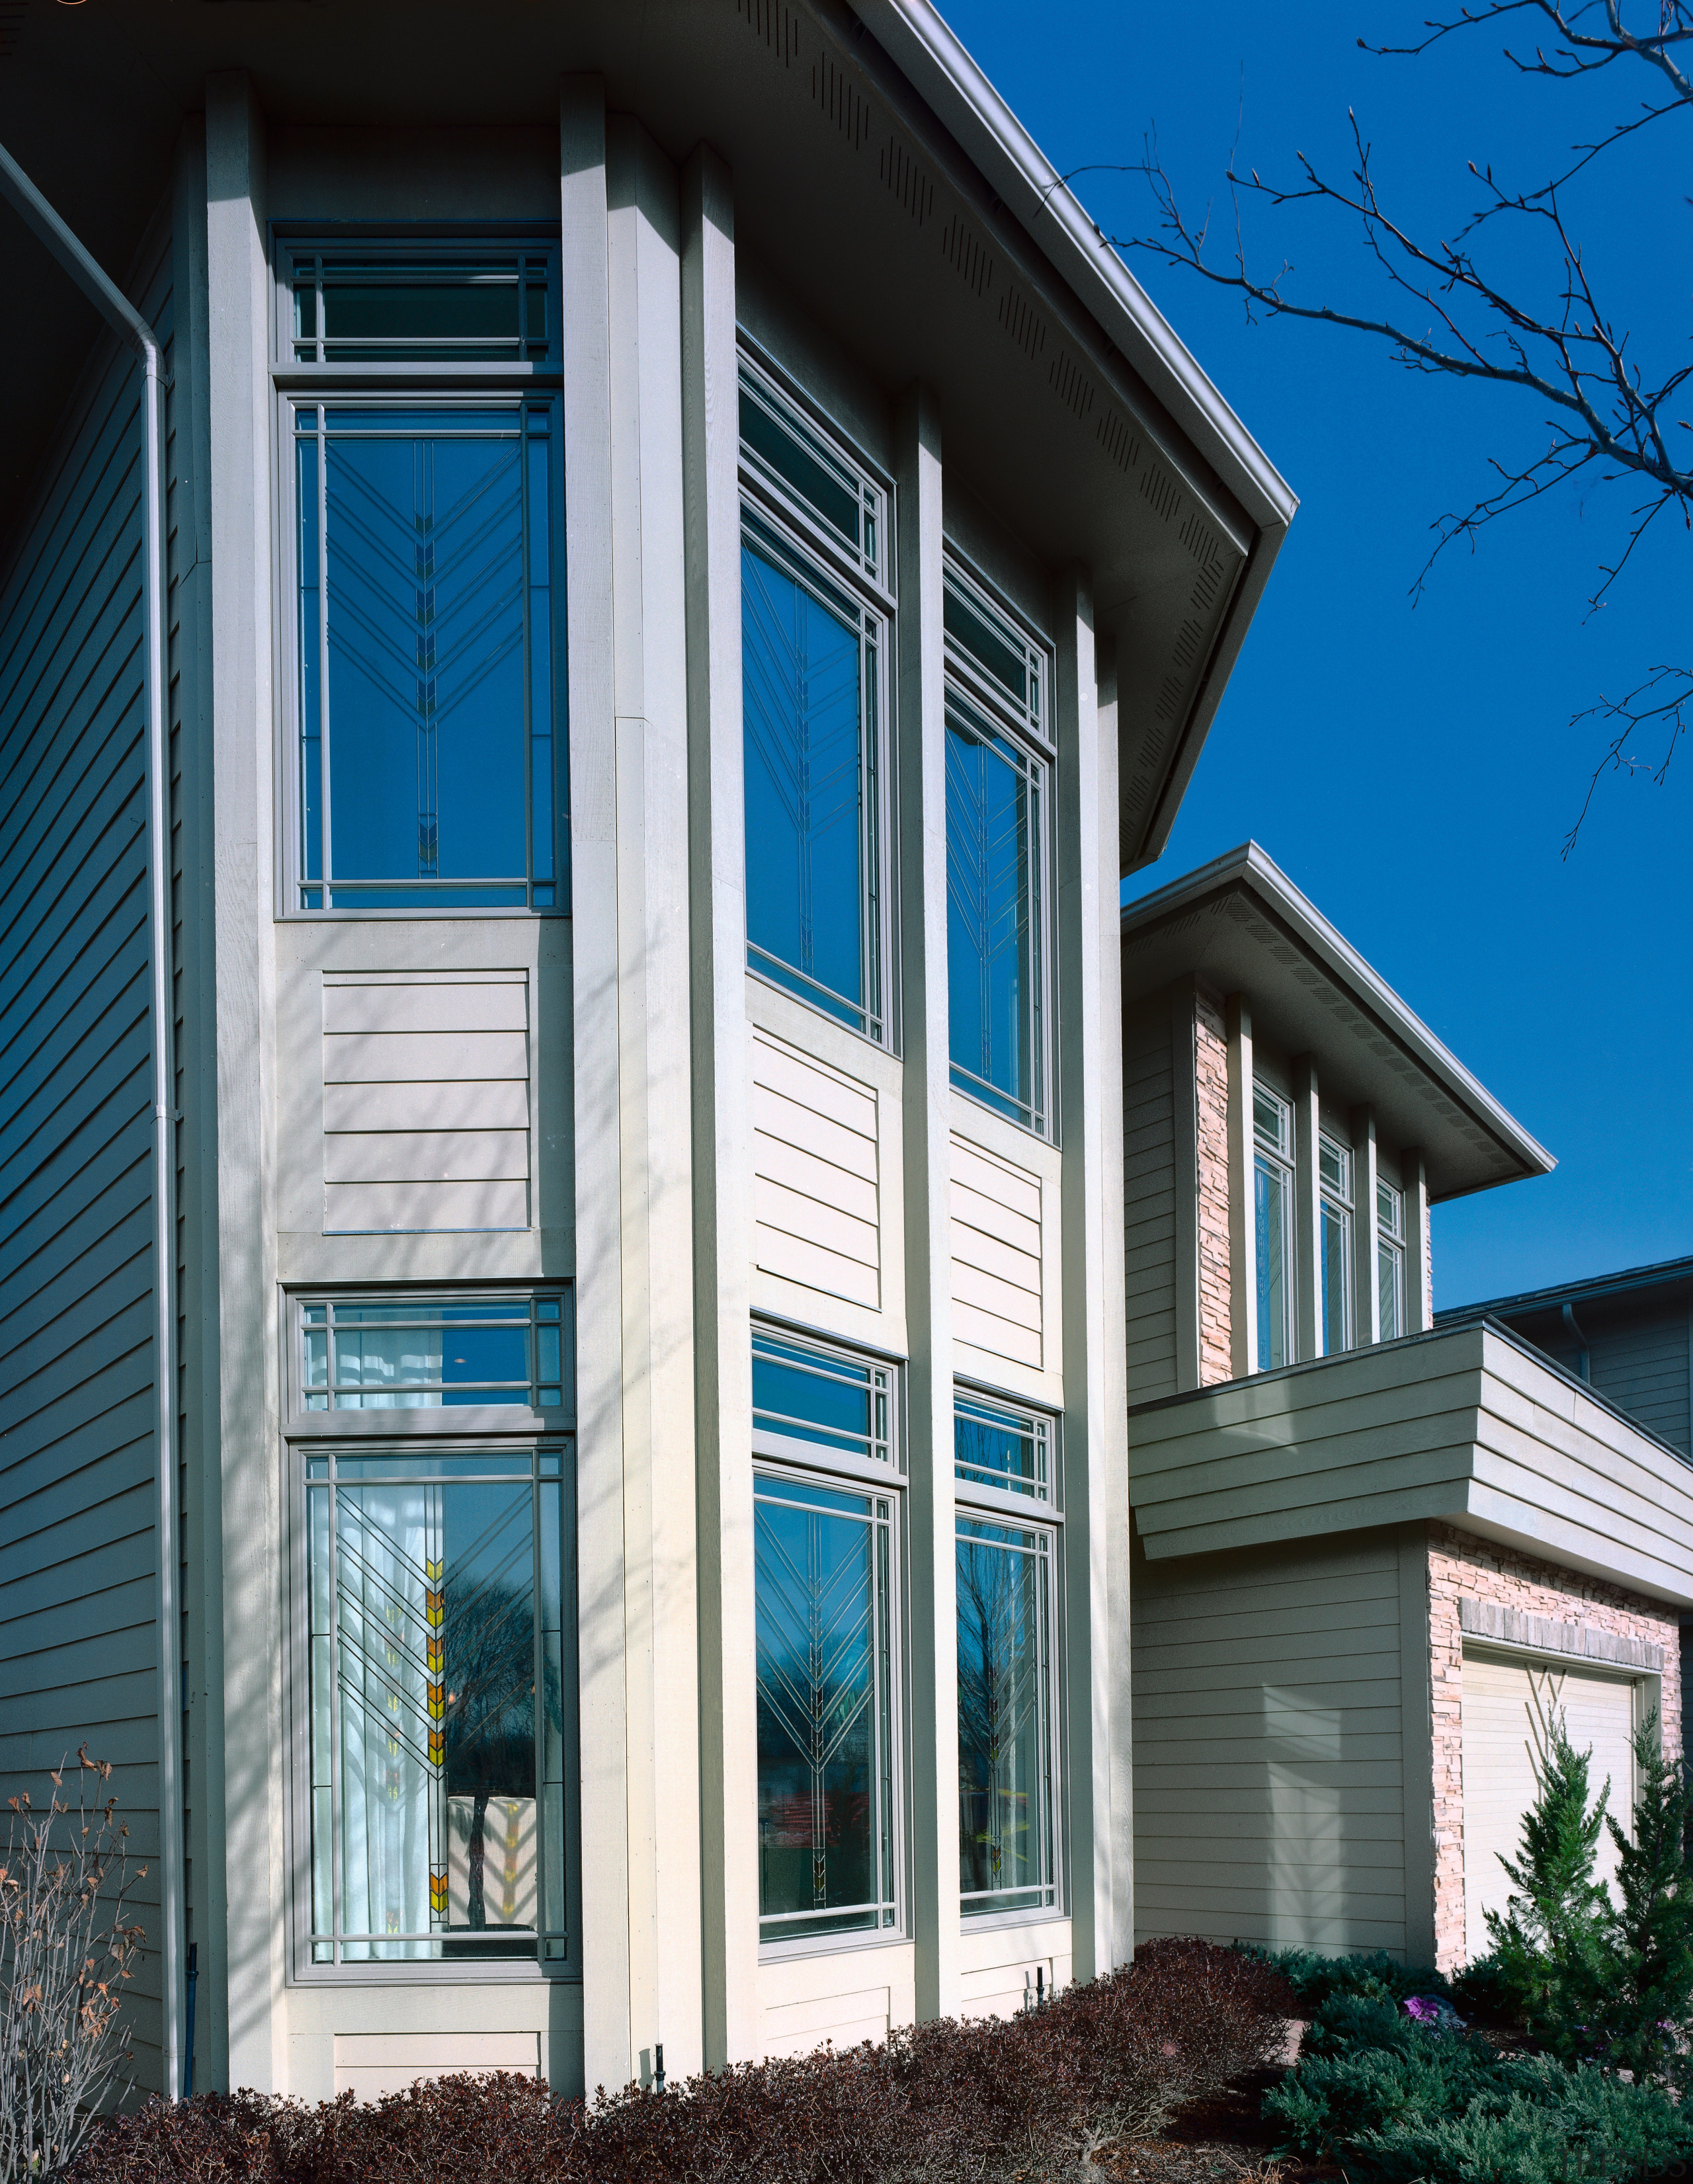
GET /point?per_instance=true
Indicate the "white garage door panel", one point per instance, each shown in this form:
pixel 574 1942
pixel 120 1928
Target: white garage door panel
pixel 1504 1705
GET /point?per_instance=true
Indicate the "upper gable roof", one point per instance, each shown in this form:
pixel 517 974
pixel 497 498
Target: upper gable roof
pixel 1242 926
pixel 876 173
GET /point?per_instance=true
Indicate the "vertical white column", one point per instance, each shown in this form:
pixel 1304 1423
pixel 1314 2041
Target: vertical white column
pixel 1096 1433
pixel 604 1838
pixel 1307 1210
pixel 1243 1236
pixel 650 701
pixel 1114 1431
pixel 245 1796
pixel 1419 1310
pixel 1365 1291
pixel 933 1680
pixel 722 1121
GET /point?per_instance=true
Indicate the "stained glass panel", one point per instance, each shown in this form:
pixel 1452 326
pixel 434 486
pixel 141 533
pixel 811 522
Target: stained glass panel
pixel 1006 1818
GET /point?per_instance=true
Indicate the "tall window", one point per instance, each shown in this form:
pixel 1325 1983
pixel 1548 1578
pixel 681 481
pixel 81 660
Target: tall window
pixel 1273 1199
pixel 425 669
pixel 826 1520
pixel 814 626
pixel 998 858
pixel 1334 1184
pixel 1007 1582
pixel 1390 1260
pixel 437 1684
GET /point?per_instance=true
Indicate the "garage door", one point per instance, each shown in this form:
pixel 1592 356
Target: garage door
pixel 1507 1707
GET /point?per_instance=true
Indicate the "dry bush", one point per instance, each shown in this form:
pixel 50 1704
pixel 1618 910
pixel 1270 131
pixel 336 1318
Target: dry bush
pixel 1033 2096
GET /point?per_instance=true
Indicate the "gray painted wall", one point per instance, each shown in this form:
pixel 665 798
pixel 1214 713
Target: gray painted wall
pixel 1638 1356
pixel 77 1568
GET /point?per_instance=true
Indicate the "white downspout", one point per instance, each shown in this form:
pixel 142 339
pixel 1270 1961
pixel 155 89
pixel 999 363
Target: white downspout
pixel 116 307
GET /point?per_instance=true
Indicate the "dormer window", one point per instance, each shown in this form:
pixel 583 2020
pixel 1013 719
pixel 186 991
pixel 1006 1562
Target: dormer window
pixel 1273 1201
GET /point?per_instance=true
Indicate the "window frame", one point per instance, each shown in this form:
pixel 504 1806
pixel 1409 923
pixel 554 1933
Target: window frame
pixel 1338 1200
pixel 439 383
pixel 1279 1154
pixel 486 1429
pixel 800 537
pixel 975 1501
pixel 1391 1252
pixel 781 1456
pixel 1029 731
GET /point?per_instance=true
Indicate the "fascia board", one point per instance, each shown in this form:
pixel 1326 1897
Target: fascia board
pixel 1667 1273
pixel 940 67
pixel 1251 865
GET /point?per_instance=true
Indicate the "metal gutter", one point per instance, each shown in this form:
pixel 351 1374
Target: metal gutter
pixel 913 32
pixel 109 300
pixel 1250 864
pixel 1668 1274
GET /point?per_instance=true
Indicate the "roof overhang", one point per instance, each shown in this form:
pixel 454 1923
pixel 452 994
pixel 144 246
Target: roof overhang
pixel 1241 925
pixel 878 175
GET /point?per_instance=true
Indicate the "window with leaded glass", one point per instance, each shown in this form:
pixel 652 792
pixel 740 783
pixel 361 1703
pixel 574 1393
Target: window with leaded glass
pixel 1335 1186
pixel 814 650
pixel 826 1513
pixel 426 672
pixel 997 859
pixel 1390 1260
pixel 1007 1580
pixel 435 1676
pixel 1273 1205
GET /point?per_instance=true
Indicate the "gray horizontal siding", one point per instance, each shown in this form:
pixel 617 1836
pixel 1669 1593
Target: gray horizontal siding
pixel 1269 1801
pixel 1149 1142
pixel 78 1574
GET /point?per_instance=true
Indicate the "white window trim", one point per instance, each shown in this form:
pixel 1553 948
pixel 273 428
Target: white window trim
pixel 1283 1161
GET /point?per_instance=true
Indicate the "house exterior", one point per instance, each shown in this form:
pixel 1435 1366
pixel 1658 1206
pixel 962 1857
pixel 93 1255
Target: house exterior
pixel 565 1378
pixel 1373 1551
pixel 1629 1335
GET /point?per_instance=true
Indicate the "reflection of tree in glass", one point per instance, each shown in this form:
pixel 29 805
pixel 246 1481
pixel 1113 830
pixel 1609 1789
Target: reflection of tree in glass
pixel 998 1690
pixel 489 1632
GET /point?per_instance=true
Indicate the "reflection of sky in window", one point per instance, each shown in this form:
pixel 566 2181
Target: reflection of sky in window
pixel 989 960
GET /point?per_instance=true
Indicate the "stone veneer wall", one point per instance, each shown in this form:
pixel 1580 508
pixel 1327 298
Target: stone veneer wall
pixel 1462 1567
pixel 1211 1060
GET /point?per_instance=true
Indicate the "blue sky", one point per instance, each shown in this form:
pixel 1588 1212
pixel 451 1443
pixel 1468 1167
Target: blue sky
pixel 1415 772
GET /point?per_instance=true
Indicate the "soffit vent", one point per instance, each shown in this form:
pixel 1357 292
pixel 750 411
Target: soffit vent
pixel 907 180
pixel 1119 439
pixel 1161 491
pixel 844 106
pixel 1071 384
pixel 1023 323
pixel 776 23
pixel 973 264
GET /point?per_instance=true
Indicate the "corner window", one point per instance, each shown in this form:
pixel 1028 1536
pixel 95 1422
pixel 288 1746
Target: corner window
pixel 827 1510
pixel 1007 1580
pixel 813 654
pixel 426 672
pixel 1390 1260
pixel 435 1676
pixel 1273 1205
pixel 998 860
pixel 1334 1185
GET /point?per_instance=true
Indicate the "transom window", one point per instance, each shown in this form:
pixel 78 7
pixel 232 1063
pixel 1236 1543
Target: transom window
pixel 433 1351
pixel 1007 1579
pixel 814 646
pixel 987 649
pixel 1334 1185
pixel 360 307
pixel 998 827
pixel 825 1539
pixel 1272 1185
pixel 1390 1260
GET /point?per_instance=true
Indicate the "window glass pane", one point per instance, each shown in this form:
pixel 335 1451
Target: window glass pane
pixel 1272 1207
pixel 994 820
pixel 430 1841
pixel 1271 1119
pixel 1005 1767
pixel 1337 1255
pixel 429 1352
pixel 993 646
pixel 1390 1209
pixel 1390 1290
pixel 419 309
pixel 800 458
pixel 993 1447
pixel 434 596
pixel 825 1729
pixel 1334 1167
pixel 836 1403
pixel 802 680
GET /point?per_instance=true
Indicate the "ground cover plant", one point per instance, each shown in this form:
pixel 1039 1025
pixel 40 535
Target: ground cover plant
pixel 1035 2096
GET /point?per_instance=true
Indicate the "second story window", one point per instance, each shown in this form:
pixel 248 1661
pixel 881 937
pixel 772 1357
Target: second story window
pixel 426 665
pixel 1273 1202
pixel 1390 1260
pixel 997 859
pixel 1334 1182
pixel 814 651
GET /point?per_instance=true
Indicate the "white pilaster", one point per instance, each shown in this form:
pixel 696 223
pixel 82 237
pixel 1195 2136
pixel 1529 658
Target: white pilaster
pixel 1419 1311
pixel 1243 1239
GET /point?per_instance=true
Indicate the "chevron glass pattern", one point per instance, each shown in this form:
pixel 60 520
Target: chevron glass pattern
pixel 1006 1828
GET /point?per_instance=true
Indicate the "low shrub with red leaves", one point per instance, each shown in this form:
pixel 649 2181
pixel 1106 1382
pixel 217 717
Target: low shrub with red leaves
pixel 981 2097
